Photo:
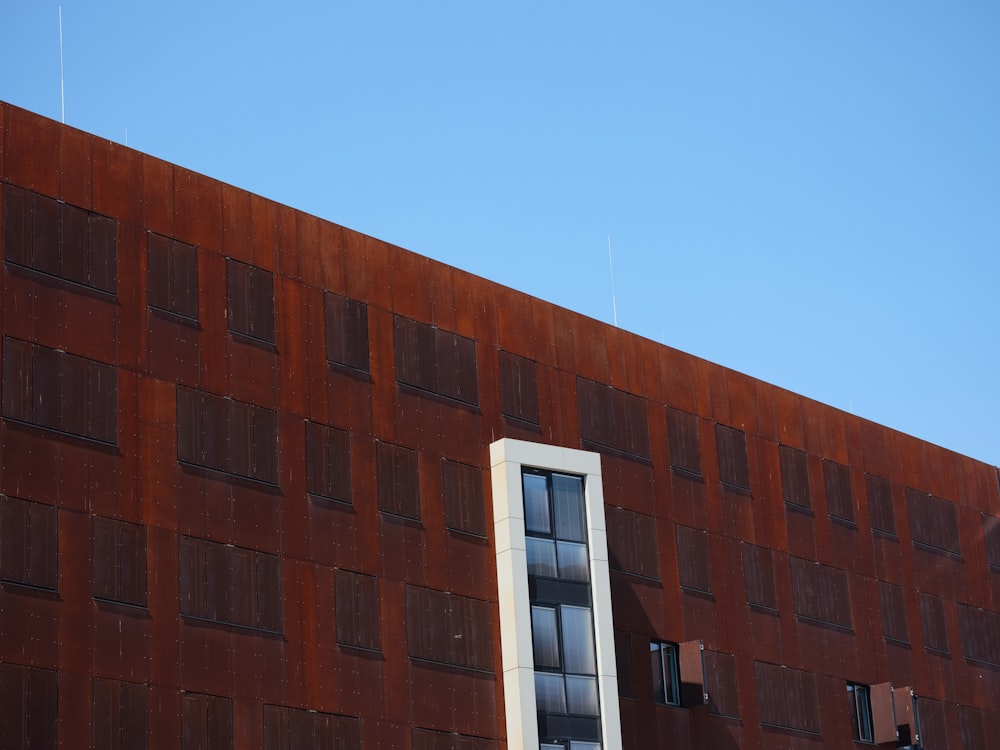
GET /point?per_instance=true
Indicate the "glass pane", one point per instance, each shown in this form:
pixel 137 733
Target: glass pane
pixel 665 677
pixel 541 557
pixel 536 504
pixel 573 563
pixel 545 637
pixel 578 640
pixel 547 746
pixel 549 693
pixel 580 745
pixel 581 695
pixel 567 494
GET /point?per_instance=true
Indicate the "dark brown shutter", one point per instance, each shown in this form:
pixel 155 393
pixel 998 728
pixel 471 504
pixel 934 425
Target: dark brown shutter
pixel 821 593
pixel 74 244
pixel 261 304
pixel 121 715
pixel 991 538
pixel 265 445
pixel 238 289
pixel 980 629
pixel 46 235
pixel 693 564
pixel 787 697
pixel 734 470
pixel 893 606
pixel 269 593
pixel 464 503
pixel 839 498
pixel 930 719
pixel 758 568
pixel 17 380
pixel 427 739
pixel 970 722
pixel 685 452
pixel 880 504
pixel 29 543
pixel 18 233
pixel 720 684
pixel 632 546
pixel 448 628
pixel 103 269
pixel 398 480
pixel 933 522
pixel 328 462
pixel 794 476
pixel 358 610
pixel 932 621
pixel 883 713
pixel 612 418
pixel 519 388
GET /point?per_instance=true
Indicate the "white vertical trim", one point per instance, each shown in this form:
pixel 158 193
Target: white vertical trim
pixel 507 456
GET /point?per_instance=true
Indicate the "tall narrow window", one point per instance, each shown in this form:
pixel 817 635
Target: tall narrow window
pixel 346 331
pixel 121 715
pixel 839 498
pixel 464 504
pixel 880 504
pixel 328 462
pixel 172 275
pixel 251 300
pixel 794 476
pixel 861 712
pixel 519 388
pixel 734 468
pixel 685 452
pixel 398 480
pixel 358 620
pixel 119 561
pixel 666 673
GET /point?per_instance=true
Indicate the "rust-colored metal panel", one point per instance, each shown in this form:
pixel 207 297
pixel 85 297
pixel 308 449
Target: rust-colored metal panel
pixel 31 147
pixel 75 174
pixel 411 290
pixel 117 174
pixel 883 713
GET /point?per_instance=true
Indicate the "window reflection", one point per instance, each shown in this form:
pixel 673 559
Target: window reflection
pixel 578 640
pixel 536 504
pixel 550 695
pixel 666 677
pixel 573 563
pixel 581 695
pixel 567 496
pixel 545 637
pixel 541 557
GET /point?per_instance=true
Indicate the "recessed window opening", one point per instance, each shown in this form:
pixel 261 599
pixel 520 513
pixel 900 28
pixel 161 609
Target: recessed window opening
pixel 861 712
pixel 666 673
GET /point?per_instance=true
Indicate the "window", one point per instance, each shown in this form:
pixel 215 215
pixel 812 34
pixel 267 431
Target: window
pixel 29 717
pixel 436 361
pixel 682 432
pixel 206 722
pixel 519 388
pixel 610 418
pixel 59 240
pixel 734 469
pixel 346 331
pixel 294 728
pixel 60 391
pixel 121 715
pixel 893 606
pixel 880 504
pixel 821 593
pixel 28 543
pixel 666 673
pixel 229 584
pixel 861 712
pixel 251 300
pixel 565 659
pixel 398 480
pixel 119 561
pixel 839 498
pixel 794 476
pixel 358 621
pixel 933 522
pixel 694 567
pixel 226 435
pixel 172 276
pixel 449 628
pixel 554 523
pixel 328 462
pixel 464 505
pixel 632 543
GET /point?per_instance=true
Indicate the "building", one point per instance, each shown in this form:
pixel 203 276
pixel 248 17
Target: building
pixel 270 483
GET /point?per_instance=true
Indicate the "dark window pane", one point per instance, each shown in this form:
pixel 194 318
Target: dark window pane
pixel 550 693
pixel 581 695
pixel 536 504
pixel 578 640
pixel 666 678
pixel 572 561
pixel 545 637
pixel 567 496
pixel 541 555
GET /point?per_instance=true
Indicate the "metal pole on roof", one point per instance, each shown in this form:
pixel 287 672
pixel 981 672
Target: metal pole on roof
pixel 611 265
pixel 62 75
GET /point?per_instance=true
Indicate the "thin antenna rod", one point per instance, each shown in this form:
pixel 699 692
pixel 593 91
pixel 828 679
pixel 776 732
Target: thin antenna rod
pixel 611 265
pixel 62 74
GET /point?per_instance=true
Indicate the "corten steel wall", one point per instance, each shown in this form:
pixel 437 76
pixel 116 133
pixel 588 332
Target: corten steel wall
pixel 696 527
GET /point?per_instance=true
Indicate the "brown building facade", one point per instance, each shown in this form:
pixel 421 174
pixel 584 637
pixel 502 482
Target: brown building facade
pixel 251 468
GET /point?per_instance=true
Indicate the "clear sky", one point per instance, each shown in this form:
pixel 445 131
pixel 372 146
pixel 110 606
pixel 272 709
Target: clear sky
pixel 807 192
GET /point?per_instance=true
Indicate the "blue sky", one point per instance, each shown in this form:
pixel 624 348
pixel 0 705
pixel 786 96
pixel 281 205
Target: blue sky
pixel 808 192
